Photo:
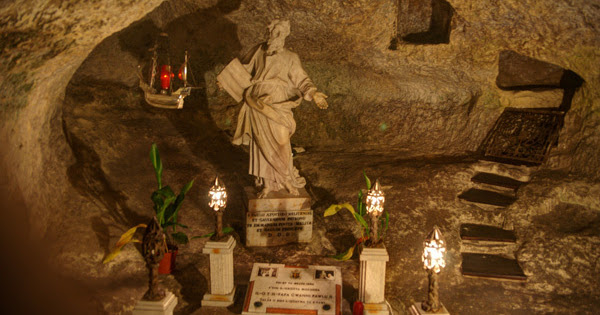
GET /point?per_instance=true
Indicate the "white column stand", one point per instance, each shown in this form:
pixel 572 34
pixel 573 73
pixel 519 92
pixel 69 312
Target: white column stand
pixel 371 285
pixel 222 289
pixel 162 307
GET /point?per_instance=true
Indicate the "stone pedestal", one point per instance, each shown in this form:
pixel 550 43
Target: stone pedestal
pixel 277 219
pixel 416 309
pixel 162 307
pixel 371 284
pixel 222 289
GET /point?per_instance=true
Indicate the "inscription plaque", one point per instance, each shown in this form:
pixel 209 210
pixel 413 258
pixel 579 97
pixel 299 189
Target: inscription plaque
pixel 282 289
pixel 278 219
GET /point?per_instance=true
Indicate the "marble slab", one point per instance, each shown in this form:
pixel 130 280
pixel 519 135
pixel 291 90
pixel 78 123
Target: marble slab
pixel 376 309
pixel 272 228
pixel 162 307
pixel 276 200
pixel 282 289
pixel 220 300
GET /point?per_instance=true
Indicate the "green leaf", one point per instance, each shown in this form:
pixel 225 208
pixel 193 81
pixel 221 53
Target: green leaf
pixel 167 197
pixel 187 187
pixel 177 205
pixel 205 235
pixel 360 205
pixel 383 224
pixel 367 180
pixel 166 192
pixel 180 237
pixel 345 255
pixel 387 221
pixel 158 201
pixel 157 164
pixel 125 239
pixel 333 209
pixel 361 220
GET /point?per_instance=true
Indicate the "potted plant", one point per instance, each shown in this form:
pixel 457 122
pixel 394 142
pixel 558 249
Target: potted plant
pixel 166 208
pixel 372 231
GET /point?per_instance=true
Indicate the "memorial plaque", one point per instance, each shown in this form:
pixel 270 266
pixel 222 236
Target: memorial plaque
pixel 281 289
pixel 277 219
pixel 278 227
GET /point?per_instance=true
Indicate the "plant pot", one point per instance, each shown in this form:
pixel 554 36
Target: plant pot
pixel 167 264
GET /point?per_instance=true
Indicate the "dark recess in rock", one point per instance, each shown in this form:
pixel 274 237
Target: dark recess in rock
pixel 439 28
pixel 519 72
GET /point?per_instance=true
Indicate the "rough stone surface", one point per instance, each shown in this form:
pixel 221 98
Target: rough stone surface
pixel 517 71
pixel 75 141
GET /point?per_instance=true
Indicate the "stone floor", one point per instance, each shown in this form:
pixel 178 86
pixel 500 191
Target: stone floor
pixel 556 218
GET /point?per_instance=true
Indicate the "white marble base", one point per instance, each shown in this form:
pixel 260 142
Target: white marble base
pixel 221 300
pixel 416 309
pixel 221 265
pixel 371 284
pixel 277 219
pixel 376 309
pixel 162 307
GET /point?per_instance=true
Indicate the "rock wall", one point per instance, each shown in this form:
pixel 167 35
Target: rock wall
pixel 42 44
pixel 417 99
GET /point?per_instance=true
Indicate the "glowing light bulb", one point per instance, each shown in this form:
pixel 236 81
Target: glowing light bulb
pixel 433 252
pixel 375 199
pixel 218 196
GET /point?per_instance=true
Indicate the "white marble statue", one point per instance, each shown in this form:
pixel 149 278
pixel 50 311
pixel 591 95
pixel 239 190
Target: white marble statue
pixel 271 81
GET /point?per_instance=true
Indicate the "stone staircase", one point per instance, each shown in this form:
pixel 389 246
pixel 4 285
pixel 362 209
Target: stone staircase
pixel 495 184
pixel 488 251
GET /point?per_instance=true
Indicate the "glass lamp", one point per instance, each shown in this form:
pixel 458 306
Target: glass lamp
pixel 375 202
pixel 433 262
pixel 218 201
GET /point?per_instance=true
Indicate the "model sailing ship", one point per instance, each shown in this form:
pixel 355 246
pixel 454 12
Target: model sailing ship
pixel 163 96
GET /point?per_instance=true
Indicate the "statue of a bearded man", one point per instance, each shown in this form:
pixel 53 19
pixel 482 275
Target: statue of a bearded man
pixel 277 83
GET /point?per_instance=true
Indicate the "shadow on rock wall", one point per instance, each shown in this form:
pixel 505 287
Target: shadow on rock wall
pixel 210 39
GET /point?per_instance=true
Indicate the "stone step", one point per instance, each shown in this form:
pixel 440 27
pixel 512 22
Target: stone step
pixel 486 239
pixel 487 197
pixel 497 182
pixel 520 173
pixel 498 189
pixel 492 267
pixel 480 232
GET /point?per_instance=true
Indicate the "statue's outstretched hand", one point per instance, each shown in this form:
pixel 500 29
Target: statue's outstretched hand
pixel 319 99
